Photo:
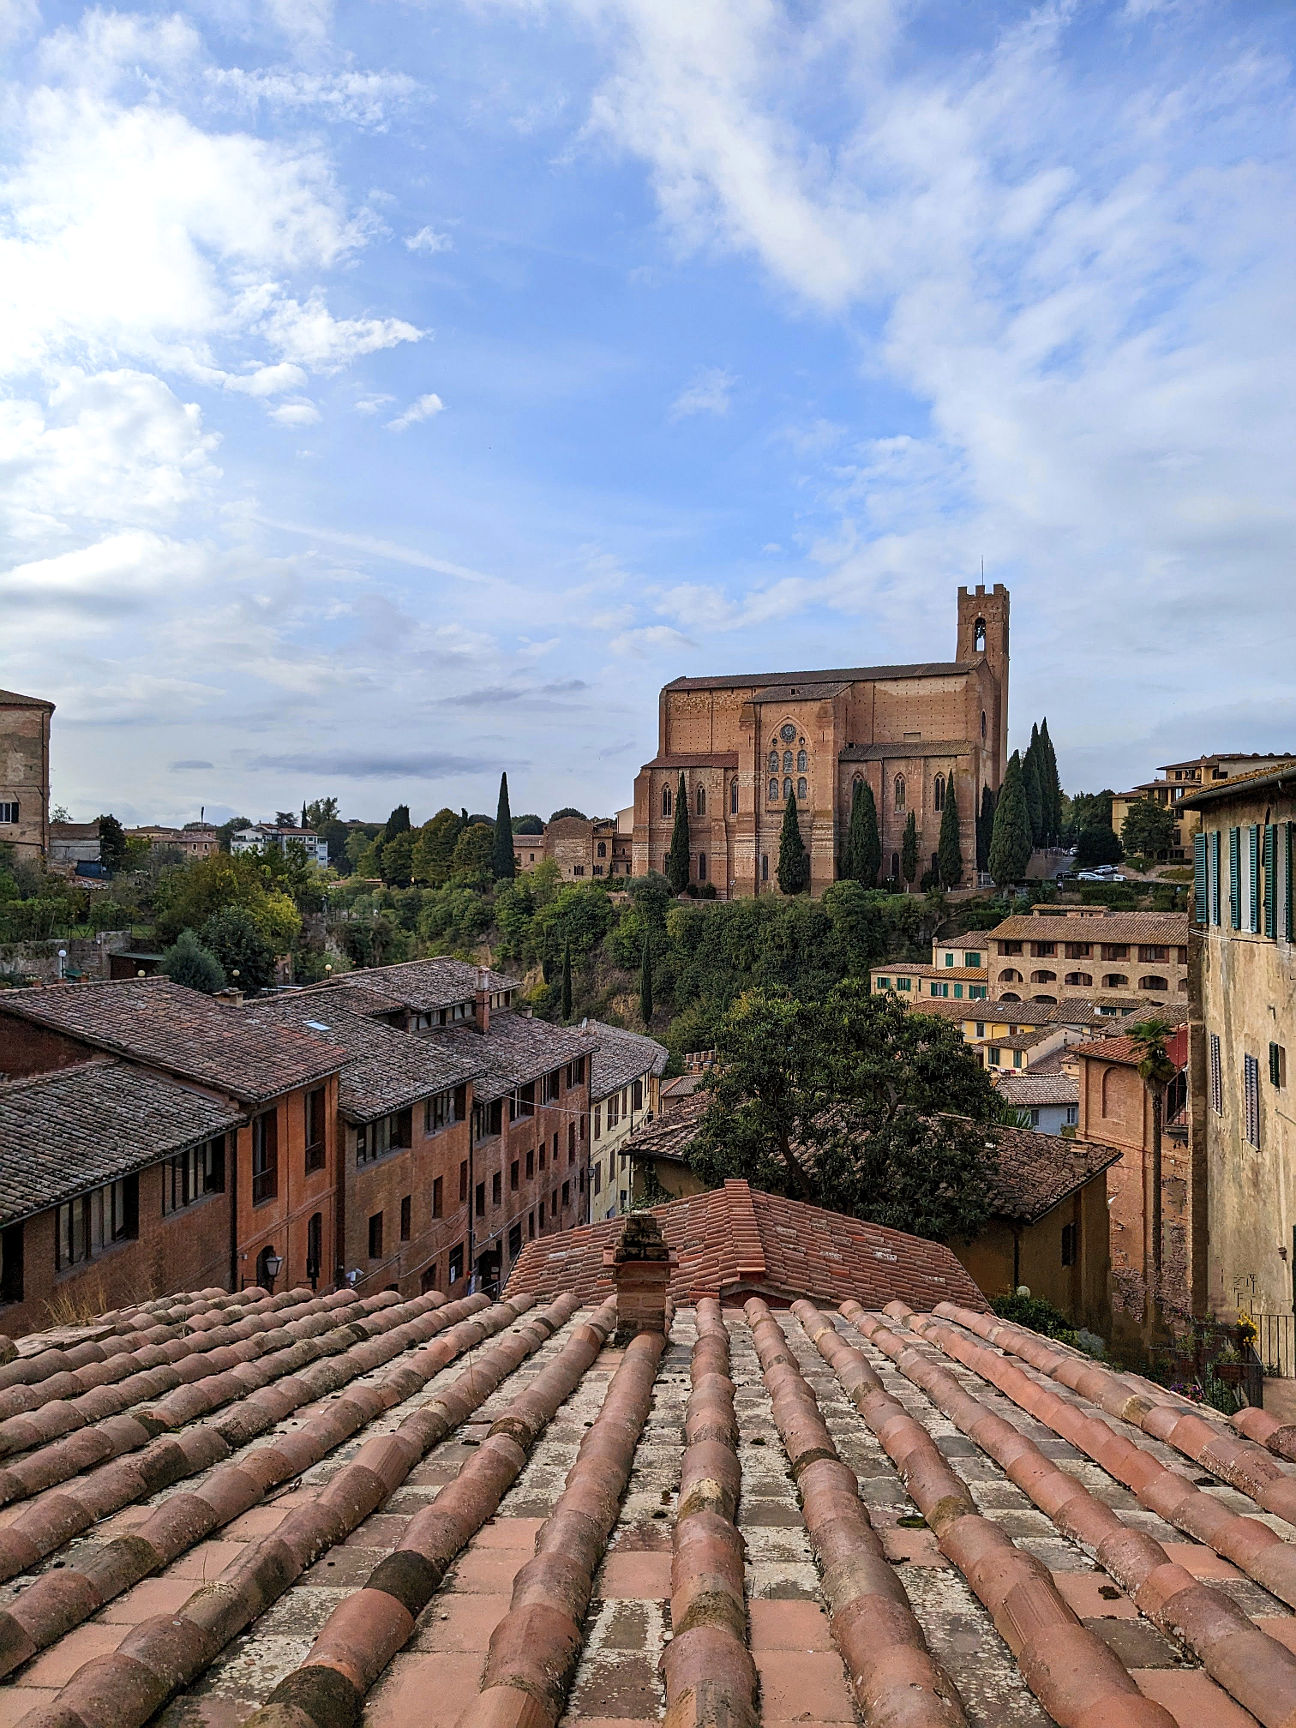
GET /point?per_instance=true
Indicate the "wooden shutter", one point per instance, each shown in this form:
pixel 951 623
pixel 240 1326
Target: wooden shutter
pixel 1216 872
pixel 1270 880
pixel 1201 909
pixel 1253 877
pixel 1235 878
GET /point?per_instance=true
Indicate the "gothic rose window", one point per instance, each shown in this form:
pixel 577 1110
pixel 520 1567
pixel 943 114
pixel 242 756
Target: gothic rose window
pixel 788 733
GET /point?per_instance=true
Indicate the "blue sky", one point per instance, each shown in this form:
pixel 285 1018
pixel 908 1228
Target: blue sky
pixel 392 393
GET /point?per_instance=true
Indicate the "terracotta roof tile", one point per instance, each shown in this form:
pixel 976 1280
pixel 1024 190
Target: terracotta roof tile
pixel 515 1051
pixel 153 1020
pixel 1166 928
pixel 1036 1172
pixel 1030 1090
pixel 422 986
pixel 621 1057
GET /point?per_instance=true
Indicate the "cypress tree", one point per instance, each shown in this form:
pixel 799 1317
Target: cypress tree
pixel 677 859
pixel 399 822
pixel 567 982
pixel 863 841
pixel 1034 796
pixel 909 850
pixel 645 983
pixel 793 859
pixel 985 827
pixel 503 860
pixel 1010 841
pixel 949 848
pixel 1052 786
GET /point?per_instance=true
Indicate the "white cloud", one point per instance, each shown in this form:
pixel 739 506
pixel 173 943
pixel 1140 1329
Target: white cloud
pixel 360 98
pixel 310 335
pixel 429 240
pixel 423 408
pixel 266 380
pixel 299 413
pixel 650 638
pixel 709 392
pixel 18 18
pixel 113 576
pixel 372 402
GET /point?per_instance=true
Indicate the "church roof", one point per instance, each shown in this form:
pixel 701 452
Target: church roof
pixel 799 681
pixel 905 748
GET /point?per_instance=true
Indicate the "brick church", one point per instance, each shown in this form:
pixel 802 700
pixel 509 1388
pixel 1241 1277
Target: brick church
pixel 745 741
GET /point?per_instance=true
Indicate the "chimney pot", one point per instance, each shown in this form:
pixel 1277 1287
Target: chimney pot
pixel 641 1266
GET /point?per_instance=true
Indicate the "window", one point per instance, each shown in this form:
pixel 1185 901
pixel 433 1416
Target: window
pixel 407 1217
pixel 1072 1115
pixel 544 1153
pixel 938 792
pixel 566 1194
pixel 597 1178
pixel 314 1107
pixel 576 1072
pixel 551 1087
pixel 994 1057
pixel 375 1140
pixel 601 849
pixel 530 1162
pixel 771 792
pixel 787 761
pixel 979 636
pixel 1153 982
pixel 193 1175
pixel 1277 1065
pixel 315 1247
pixel 1079 950
pixel 1010 975
pixel 613 1110
pixel 1115 981
pixel 479 1202
pixel 803 790
pixel 1070 1244
pixel 980 1028
pixel 983 726
pixel 701 800
pixel 764 866
pixel 702 876
pixel 1251 1099
pixel 542 1212
pixel 497 1188
pixel 571 1141
pixel 733 797
pixel 787 787
pixel 1216 1075
pixel 11 1264
pixel 598 1121
pixel 899 790
pixel 463 1181
pixel 1152 952
pixel 438 1197
pixel 803 761
pixel 9 811
pixel 92 1222
pixel 1115 951
pixel 513 1177
pixel 456 1263
pixel 265 1157
pixel 514 1241
pixel 376 1236
pixel 1081 978
pixel 636 1095
pixel 773 761
pixel 531 1225
pixel 667 801
pixel 1044 950
pixel 1043 977
pixel 444 1110
pixel 977 992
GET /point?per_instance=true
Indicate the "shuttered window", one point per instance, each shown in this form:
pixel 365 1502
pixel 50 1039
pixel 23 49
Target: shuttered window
pixel 1235 878
pixel 1284 860
pixel 1251 1099
pixel 1216 853
pixel 1270 880
pixel 1216 1076
pixel 1251 880
pixel 1201 910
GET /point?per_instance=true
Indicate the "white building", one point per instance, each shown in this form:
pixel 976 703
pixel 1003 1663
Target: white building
pixel 264 836
pixel 625 1074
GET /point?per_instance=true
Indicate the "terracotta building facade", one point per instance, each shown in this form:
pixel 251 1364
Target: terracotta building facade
pixel 742 743
pixel 24 773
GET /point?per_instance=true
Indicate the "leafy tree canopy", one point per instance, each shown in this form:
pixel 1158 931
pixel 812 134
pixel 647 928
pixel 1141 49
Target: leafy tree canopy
pixel 112 843
pixel 1098 845
pixel 239 945
pixel 855 1104
pixel 530 824
pixel 434 848
pixel 569 810
pixel 1148 828
pixel 473 858
pixel 187 962
pixel 188 897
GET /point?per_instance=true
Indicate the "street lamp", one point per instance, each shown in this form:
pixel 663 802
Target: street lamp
pixel 62 960
pixel 273 1264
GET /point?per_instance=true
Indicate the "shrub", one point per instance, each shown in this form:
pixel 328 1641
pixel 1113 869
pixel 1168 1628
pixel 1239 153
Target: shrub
pixel 187 962
pixel 1037 1313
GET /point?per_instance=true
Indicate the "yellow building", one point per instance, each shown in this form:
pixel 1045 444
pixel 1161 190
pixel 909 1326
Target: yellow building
pixel 1176 781
pixel 1242 1039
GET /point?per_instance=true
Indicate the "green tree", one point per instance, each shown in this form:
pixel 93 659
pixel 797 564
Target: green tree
pixel 854 1103
pixel 434 848
pixel 678 858
pixel 863 840
pixel 567 982
pixel 1031 787
pixel 530 824
pixel 188 897
pixel 226 830
pixel 112 844
pixel 569 810
pixel 1098 845
pixel 646 983
pixel 187 962
pixel 1148 828
pixel 1156 1071
pixel 504 860
pixel 909 850
pixel 239 945
pixel 396 861
pixel 985 827
pixel 473 859
pixel 1010 839
pixel 1051 786
pixel 397 823
pixel 949 848
pixel 793 859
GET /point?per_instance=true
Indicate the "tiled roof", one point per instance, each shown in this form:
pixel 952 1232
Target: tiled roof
pixel 515 1051
pixel 798 692
pixel 621 1057
pixel 1168 928
pixel 1022 1040
pixel 838 675
pixel 737 1238
pixel 695 759
pixel 424 986
pixel 386 1069
pixel 156 1021
pixel 678 1087
pixel 671 1134
pixel 1036 1172
pixel 358 998
pixel 925 969
pixel 475 1514
pixel 11 699
pixel 1256 780
pixel 1032 1089
pixel 76 1128
pixel 1172 1013
pixel 995 1012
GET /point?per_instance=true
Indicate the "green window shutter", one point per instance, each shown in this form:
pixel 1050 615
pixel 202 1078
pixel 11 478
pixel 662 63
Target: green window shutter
pixel 1270 880
pixel 1253 878
pixel 1216 849
pixel 1235 878
pixel 1200 908
pixel 1286 886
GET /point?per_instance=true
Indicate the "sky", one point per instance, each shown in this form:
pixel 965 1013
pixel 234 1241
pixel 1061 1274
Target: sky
pixel 395 392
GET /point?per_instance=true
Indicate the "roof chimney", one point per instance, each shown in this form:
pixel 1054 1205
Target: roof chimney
pixel 641 1266
pixel 481 1001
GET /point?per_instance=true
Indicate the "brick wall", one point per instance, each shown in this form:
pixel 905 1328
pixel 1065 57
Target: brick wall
pixel 565 1121
pixel 282 1223
pixel 423 1261
pixel 24 778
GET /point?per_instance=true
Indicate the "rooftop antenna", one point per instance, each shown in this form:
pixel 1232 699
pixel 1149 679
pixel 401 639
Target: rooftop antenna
pixel 983 571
